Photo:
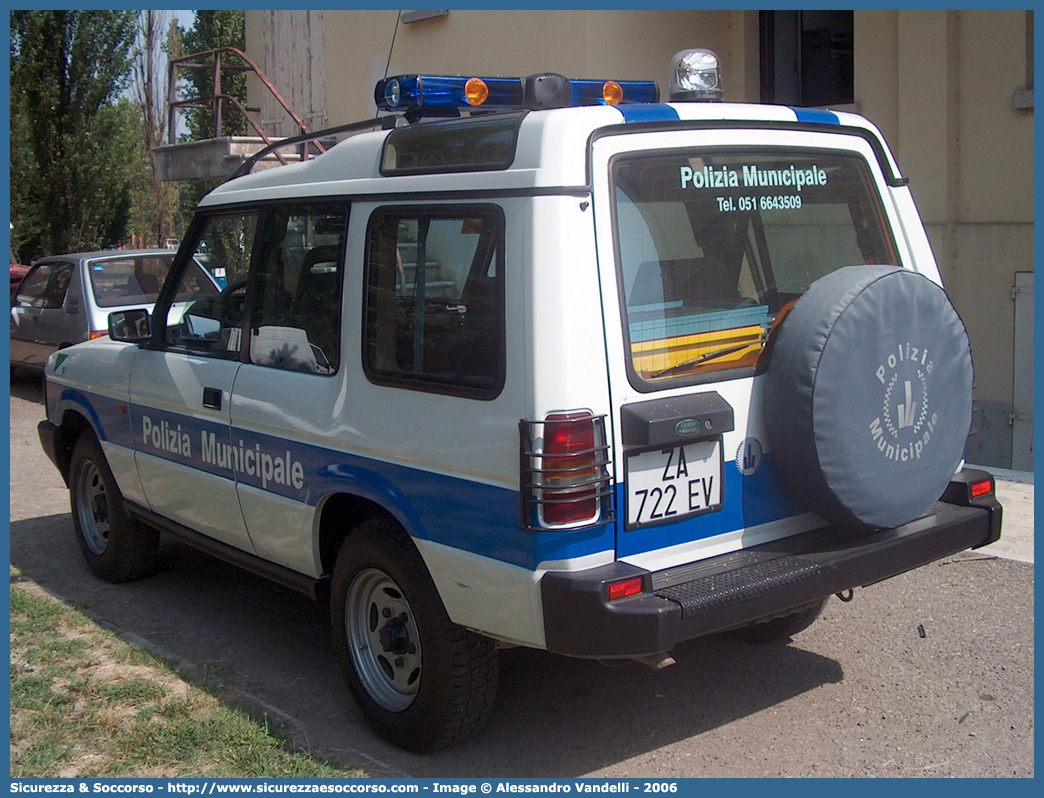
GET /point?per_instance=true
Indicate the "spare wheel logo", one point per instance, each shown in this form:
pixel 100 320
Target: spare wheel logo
pixel 904 428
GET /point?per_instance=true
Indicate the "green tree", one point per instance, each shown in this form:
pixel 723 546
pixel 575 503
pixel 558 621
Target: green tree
pixel 212 29
pixel 71 147
pixel 156 211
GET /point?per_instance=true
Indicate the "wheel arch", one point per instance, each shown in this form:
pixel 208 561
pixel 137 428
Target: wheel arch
pixel 71 425
pixel 340 514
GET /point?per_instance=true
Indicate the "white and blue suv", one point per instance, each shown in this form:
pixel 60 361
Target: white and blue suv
pixel 542 363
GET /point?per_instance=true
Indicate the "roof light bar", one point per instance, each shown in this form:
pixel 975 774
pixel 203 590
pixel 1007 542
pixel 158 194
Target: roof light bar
pixel 440 93
pixel 614 92
pixel 436 92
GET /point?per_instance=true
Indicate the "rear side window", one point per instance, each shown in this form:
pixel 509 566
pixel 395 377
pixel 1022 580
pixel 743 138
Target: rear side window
pixel 295 311
pixel 712 246
pixel 434 316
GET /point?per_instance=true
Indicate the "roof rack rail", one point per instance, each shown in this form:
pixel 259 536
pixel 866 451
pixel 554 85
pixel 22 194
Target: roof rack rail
pixel 384 122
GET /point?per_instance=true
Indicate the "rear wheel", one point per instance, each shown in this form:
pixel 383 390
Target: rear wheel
pixel 420 680
pixel 115 548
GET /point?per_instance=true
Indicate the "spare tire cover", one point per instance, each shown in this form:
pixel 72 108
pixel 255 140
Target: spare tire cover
pixel 869 395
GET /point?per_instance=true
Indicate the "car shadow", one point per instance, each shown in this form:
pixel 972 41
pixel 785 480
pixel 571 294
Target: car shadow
pixel 27 385
pixel 253 642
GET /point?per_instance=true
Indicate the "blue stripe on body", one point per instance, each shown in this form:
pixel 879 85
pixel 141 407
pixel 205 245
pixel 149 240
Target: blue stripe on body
pixel 446 509
pixel 110 425
pixel 647 112
pixel 178 438
pixel 455 512
pixel 749 501
pixel 816 116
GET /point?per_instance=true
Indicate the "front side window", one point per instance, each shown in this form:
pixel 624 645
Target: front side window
pixel 435 300
pixel 712 246
pixel 207 310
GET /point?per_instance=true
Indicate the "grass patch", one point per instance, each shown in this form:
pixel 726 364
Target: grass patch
pixel 86 704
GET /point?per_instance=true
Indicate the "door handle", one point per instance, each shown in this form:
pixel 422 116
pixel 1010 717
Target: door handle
pixel 212 398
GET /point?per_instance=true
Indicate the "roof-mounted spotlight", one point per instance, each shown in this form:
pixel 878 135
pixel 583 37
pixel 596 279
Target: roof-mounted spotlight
pixel 696 77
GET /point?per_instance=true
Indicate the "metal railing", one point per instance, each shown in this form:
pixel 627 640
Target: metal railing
pixel 212 60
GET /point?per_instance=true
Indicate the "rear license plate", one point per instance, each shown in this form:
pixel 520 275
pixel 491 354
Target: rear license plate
pixel 668 485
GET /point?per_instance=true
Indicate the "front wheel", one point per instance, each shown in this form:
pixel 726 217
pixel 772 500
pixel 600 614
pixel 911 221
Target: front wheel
pixel 420 680
pixel 115 548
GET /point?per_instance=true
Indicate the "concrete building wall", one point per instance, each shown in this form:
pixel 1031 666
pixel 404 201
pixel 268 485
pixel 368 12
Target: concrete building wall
pixel 574 43
pixel 293 52
pixel 943 87
pixel 947 89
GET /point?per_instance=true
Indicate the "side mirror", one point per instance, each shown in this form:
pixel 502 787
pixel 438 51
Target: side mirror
pixel 130 326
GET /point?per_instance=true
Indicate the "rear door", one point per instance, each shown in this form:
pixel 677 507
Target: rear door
pixel 289 402
pixel 706 239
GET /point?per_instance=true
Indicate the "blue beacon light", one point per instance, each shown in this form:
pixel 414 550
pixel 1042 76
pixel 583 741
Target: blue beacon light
pixel 447 93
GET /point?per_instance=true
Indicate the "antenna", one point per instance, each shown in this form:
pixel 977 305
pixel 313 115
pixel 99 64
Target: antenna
pixel 395 30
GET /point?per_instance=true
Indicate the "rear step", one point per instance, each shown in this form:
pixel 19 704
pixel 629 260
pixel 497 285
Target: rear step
pixel 746 586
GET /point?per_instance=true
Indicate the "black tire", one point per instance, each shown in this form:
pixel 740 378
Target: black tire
pixel 780 629
pixel 868 396
pixel 420 680
pixel 116 548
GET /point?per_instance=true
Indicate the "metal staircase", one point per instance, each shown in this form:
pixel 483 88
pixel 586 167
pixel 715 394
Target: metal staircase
pixel 219 157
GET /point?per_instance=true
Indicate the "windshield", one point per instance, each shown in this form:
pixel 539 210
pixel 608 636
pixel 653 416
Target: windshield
pixel 712 246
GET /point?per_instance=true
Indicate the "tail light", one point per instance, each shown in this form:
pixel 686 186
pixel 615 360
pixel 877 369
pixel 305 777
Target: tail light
pixel 970 487
pixel 981 488
pixel 625 588
pixel 569 469
pixel 565 479
pixel 973 488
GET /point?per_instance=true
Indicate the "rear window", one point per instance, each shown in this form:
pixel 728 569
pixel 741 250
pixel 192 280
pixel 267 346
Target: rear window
pixel 713 246
pixel 128 281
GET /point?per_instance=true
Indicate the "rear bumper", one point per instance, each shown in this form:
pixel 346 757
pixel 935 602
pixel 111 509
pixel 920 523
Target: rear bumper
pixel 744 586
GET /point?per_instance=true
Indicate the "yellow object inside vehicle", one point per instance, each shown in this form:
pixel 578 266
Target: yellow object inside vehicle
pixel 717 349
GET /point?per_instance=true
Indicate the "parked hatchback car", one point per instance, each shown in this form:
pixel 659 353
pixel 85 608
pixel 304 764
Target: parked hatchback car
pixel 66 299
